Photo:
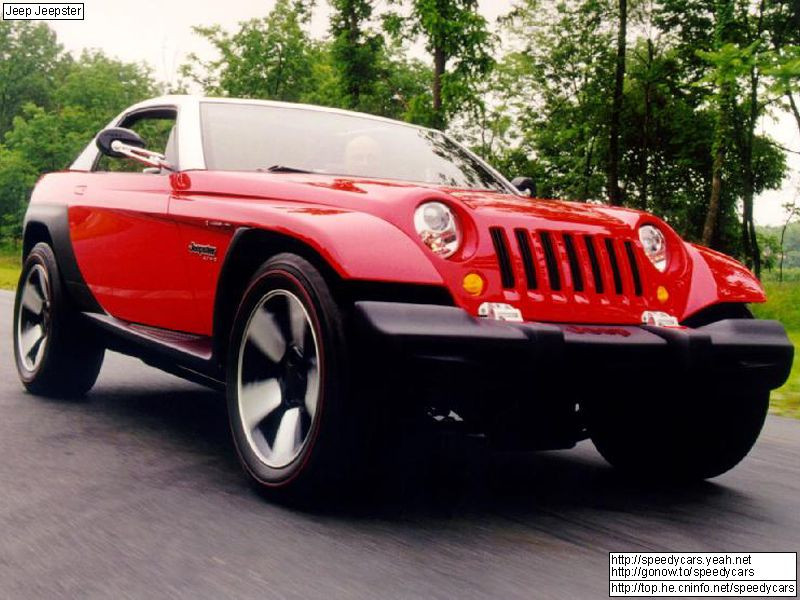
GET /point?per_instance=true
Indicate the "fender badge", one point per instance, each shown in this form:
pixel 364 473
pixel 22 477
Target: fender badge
pixel 206 251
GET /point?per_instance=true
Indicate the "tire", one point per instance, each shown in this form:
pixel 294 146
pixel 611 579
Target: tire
pixel 689 438
pixel 680 436
pixel 279 378
pixel 56 354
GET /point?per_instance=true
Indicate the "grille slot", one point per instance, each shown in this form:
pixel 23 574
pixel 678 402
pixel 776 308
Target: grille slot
pixel 612 258
pixel 527 257
pixel 637 279
pixel 574 265
pixel 569 262
pixel 553 274
pixel 597 273
pixel 503 257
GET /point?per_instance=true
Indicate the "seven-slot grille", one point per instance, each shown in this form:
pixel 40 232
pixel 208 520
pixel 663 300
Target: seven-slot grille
pixel 567 261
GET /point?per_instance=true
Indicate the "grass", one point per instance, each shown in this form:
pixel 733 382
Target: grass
pixel 9 267
pixel 783 305
pixel 786 400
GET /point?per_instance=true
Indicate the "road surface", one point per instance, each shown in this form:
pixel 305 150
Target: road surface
pixel 135 492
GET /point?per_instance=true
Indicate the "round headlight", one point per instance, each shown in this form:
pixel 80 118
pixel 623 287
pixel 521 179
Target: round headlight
pixel 438 229
pixel 655 246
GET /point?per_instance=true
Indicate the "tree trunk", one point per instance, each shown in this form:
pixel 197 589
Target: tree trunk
pixel 750 240
pixel 783 236
pixel 710 226
pixel 795 109
pixel 614 193
pixel 587 171
pixel 723 15
pixel 644 165
pixel 439 63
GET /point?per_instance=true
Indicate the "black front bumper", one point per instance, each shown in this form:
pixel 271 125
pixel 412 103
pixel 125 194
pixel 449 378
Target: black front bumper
pixel 441 352
pixel 747 353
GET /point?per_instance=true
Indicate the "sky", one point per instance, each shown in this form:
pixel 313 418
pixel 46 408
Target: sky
pixel 159 32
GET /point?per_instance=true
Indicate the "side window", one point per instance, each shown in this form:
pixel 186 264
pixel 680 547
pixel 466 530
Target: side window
pixel 157 129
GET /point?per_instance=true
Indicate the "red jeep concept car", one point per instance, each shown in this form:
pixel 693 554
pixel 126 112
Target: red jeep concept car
pixel 334 271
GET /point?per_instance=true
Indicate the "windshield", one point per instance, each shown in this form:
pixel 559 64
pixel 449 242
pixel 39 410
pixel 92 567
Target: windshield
pixel 251 137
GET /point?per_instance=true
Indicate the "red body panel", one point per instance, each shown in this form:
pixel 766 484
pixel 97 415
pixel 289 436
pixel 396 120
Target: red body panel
pixel 132 232
pixel 126 246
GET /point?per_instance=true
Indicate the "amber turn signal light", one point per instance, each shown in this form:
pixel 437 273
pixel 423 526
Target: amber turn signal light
pixel 473 284
pixel 662 294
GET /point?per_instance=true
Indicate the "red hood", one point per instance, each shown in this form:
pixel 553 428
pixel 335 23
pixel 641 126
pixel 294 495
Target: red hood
pixel 383 198
pixel 507 205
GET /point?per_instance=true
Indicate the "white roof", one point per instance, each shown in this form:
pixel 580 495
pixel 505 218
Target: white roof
pixel 191 101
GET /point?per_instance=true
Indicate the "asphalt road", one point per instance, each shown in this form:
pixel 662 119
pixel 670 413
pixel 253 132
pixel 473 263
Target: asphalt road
pixel 135 492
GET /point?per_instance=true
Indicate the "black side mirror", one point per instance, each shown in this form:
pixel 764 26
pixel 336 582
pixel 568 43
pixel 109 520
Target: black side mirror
pixel 118 142
pixel 107 137
pixel 526 185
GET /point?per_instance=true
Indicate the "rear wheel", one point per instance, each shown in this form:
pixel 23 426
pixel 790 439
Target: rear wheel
pixel 56 355
pixel 294 419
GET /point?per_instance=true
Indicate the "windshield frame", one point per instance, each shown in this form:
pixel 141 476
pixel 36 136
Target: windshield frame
pixel 501 180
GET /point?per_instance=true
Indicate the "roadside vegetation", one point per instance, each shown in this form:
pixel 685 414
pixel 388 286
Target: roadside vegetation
pixel 9 267
pixel 784 305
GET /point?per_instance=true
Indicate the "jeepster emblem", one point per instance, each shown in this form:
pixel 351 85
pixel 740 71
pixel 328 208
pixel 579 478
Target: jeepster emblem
pixel 206 251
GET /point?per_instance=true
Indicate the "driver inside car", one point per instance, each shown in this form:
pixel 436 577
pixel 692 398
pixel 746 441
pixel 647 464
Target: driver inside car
pixel 362 155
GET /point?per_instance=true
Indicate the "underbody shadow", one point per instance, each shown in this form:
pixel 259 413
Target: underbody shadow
pixel 423 474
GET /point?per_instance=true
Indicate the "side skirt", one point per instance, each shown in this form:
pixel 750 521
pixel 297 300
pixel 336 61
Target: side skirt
pixel 184 355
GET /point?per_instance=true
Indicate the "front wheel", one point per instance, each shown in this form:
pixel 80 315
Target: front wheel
pixel 294 419
pixel 686 437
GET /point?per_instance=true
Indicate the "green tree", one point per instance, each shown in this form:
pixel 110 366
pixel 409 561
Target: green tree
pixel 614 192
pixel 739 67
pixel 31 62
pixel 356 52
pixel 559 89
pixel 458 39
pixel 724 82
pixel 102 87
pixel 17 177
pixel 402 89
pixel 269 58
pixel 93 89
pixel 783 25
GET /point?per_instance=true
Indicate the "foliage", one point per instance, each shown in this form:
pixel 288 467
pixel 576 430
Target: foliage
pixel 770 250
pixel 102 87
pixel 58 113
pixel 356 52
pixel 266 58
pixel 791 243
pixel 17 177
pixel 276 59
pixel 31 62
pixel 562 76
pixel 458 40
